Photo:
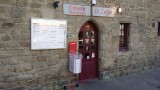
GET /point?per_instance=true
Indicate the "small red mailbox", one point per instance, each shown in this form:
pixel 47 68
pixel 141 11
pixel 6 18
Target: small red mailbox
pixel 72 47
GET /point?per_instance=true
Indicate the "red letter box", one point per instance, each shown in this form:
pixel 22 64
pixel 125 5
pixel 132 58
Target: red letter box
pixel 72 47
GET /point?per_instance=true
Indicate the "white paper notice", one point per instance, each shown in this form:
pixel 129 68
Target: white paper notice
pixel 48 33
pixel 78 66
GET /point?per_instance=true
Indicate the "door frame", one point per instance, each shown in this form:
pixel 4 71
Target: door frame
pixel 97 38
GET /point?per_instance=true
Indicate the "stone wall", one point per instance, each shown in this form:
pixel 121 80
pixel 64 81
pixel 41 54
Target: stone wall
pixel 24 69
pixel 144 49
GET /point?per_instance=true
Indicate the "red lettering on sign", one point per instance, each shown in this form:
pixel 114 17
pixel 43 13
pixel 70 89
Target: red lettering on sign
pixel 107 12
pixel 84 9
pixel 98 11
pixel 101 11
pixel 76 8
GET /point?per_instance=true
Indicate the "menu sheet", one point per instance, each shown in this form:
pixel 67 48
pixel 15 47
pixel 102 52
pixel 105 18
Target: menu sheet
pixel 48 33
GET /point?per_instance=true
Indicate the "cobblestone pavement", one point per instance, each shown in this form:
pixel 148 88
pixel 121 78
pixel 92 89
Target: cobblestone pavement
pixel 147 80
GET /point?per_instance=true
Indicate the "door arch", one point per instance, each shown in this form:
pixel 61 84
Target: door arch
pixel 88 46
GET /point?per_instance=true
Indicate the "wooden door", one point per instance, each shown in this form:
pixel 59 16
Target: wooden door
pixel 88 46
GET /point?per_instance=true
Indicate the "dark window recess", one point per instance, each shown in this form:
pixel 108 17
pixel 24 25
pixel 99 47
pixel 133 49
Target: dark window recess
pixel 124 36
pixel 159 29
pixel 93 48
pixel 80 35
pixel 87 56
pixel 80 47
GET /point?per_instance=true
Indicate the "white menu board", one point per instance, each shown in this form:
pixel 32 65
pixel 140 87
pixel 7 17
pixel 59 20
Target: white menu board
pixel 48 34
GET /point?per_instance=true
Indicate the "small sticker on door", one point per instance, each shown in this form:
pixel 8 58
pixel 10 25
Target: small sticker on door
pixel 87 57
pixel 93 55
pixel 87 48
pixel 87 41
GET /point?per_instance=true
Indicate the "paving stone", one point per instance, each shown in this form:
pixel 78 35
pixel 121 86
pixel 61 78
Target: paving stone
pixel 139 81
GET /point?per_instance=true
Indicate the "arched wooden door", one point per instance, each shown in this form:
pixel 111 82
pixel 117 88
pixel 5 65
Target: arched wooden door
pixel 88 46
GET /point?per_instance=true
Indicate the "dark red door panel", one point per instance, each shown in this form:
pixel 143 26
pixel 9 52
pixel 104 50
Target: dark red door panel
pixel 88 46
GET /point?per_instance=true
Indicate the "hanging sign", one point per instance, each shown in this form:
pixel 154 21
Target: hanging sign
pixel 48 33
pixel 71 9
pixel 101 11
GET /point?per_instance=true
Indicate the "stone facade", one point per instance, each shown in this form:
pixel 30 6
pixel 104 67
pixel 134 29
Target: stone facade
pixel 24 69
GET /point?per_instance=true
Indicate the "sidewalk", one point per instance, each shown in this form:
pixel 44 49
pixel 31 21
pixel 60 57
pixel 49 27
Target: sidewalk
pixel 147 80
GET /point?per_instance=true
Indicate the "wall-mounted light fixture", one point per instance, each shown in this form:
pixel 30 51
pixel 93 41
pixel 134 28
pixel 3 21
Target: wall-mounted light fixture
pixel 55 4
pixel 119 9
pixel 93 2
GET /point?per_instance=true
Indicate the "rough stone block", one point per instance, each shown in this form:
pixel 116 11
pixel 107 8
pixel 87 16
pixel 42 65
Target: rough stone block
pixel 124 72
pixel 59 85
pixel 64 61
pixel 21 83
pixel 53 60
pixel 63 55
pixel 6 38
pixel 146 67
pixel 9 2
pixel 17 88
pixel 11 68
pixel 118 73
pixel 42 0
pixel 112 74
pixel 38 88
pixel 2 45
pixel 35 13
pixel 48 86
pixel 45 14
pixel 9 77
pixel 41 80
pixel 39 52
pixel 25 59
pixel 16 35
pixel 40 74
pixel 8 25
pixel 22 3
pixel 35 5
pixel 54 71
pixel 2 86
pixel 17 12
pixel 24 67
pixel 22 26
pixel 106 75
pixel 50 78
pixel 2 9
pixel 24 77
pixel 3 69
pixel 26 36
pixel 6 54
pixel 31 82
pixel 115 39
pixel 18 20
pixel 4 12
pixel 25 44
pixel 41 58
pixel 63 71
pixel 11 45
pixel 24 53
